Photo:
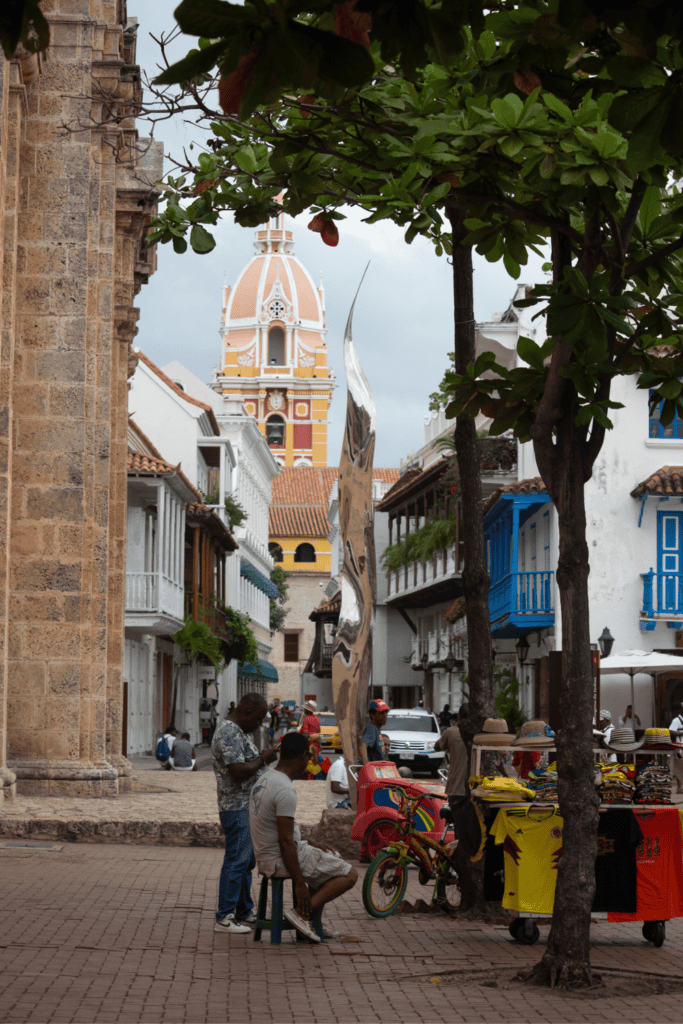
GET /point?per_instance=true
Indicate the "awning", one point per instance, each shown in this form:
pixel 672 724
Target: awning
pixel 264 670
pixel 255 576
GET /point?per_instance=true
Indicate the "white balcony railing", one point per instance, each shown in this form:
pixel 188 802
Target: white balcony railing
pixel 153 593
pixel 437 647
pixel 442 565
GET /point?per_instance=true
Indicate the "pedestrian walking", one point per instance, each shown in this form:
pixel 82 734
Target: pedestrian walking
pixel 237 764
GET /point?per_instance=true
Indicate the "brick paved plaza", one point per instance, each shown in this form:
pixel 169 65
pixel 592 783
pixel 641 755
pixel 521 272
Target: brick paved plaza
pixel 99 933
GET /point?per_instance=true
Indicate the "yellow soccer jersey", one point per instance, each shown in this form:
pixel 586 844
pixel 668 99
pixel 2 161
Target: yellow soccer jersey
pixel 532 844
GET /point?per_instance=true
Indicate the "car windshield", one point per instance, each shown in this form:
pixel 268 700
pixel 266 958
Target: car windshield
pixel 419 723
pixel 327 718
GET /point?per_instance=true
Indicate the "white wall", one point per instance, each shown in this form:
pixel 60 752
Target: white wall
pixel 171 423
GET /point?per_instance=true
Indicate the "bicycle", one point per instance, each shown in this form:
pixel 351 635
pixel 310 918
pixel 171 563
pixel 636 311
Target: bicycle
pixel 386 878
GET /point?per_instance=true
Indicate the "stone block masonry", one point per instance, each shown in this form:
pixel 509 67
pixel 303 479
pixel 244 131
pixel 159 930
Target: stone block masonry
pixel 74 207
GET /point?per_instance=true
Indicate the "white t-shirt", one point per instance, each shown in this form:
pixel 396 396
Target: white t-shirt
pixel 677 725
pixel 337 773
pixel 273 796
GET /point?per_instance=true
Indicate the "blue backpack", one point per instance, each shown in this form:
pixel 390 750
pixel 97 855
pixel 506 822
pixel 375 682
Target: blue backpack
pixel 163 751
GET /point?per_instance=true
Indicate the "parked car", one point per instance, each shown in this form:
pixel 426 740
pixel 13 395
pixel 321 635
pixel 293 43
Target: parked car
pixel 412 735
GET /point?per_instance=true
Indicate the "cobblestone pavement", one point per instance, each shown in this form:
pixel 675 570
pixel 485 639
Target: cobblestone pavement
pixel 99 934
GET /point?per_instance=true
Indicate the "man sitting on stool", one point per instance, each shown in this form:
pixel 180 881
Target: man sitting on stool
pixel 278 847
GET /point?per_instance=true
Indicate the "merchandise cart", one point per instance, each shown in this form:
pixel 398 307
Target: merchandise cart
pixel 523 927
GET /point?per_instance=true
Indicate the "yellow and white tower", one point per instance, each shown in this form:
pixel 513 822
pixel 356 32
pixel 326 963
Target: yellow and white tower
pixel 274 356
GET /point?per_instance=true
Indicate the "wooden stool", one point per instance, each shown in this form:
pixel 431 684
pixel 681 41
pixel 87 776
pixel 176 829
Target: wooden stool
pixel 276 924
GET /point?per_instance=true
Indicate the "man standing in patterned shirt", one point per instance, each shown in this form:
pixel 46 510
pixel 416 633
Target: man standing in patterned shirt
pixel 237 764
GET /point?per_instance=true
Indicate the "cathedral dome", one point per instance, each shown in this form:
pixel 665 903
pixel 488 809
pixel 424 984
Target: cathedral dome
pixel 274 286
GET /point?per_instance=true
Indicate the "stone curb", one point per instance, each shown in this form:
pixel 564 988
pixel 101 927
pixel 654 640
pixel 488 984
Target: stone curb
pixel 141 833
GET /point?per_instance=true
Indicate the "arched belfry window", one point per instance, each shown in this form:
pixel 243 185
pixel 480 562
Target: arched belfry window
pixel 276 552
pixel 276 347
pixel 304 553
pixel 275 431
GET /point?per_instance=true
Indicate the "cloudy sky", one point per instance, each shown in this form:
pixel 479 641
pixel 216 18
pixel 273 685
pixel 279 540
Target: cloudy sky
pixel 403 319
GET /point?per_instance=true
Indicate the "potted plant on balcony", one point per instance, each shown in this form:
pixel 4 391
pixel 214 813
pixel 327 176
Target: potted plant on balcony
pixel 240 639
pixel 195 641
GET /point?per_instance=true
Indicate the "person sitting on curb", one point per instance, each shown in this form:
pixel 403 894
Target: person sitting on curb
pixel 279 849
pixel 183 758
pixel 337 783
pixel 170 735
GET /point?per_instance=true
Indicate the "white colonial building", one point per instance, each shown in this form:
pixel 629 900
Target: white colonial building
pixel 185 555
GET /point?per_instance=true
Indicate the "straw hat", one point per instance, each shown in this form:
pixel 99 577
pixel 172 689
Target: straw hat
pixel 495 734
pixel 535 734
pixel 659 739
pixel 623 739
pixel 310 705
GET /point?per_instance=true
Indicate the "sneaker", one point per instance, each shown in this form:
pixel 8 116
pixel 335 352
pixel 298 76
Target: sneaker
pixel 330 935
pixel 231 926
pixel 303 926
pixel 249 919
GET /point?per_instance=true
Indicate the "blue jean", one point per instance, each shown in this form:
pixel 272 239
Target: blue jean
pixel 234 889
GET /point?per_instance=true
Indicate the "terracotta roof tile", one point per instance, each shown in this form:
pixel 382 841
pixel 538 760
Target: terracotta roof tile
pixel 533 485
pixel 301 497
pixel 327 607
pixel 411 482
pixel 179 391
pixel 138 462
pixel 667 481
pixel 141 464
pixel 299 521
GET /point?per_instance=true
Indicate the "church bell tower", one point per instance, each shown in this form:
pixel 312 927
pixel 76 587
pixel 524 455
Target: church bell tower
pixel 274 357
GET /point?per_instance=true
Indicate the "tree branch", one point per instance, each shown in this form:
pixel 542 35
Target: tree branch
pixel 656 257
pixel 632 210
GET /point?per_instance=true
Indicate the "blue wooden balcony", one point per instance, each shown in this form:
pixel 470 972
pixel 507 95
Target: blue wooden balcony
pixel 521 602
pixel 662 598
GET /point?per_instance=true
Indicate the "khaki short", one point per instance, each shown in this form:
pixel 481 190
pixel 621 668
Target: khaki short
pixel 317 867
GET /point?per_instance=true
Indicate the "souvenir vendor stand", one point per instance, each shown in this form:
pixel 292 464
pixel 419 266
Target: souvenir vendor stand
pixel 657 862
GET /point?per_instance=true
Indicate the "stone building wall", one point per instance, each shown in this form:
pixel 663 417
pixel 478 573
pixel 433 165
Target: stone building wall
pixel 74 207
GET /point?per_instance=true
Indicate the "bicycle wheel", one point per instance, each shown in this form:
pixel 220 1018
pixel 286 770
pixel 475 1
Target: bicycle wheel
pixel 384 885
pixel 447 894
pixel 379 835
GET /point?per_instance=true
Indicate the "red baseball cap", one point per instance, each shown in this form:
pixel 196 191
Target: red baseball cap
pixel 379 705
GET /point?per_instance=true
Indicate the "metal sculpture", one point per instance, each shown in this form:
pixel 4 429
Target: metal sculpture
pixel 352 656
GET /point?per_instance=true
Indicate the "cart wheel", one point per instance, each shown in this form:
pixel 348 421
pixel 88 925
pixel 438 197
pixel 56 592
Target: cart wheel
pixel 647 930
pixel 658 934
pixel 528 934
pixel 378 835
pixel 514 926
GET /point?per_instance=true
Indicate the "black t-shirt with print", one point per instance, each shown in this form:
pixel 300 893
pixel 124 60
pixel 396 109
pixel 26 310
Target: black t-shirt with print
pixel 615 865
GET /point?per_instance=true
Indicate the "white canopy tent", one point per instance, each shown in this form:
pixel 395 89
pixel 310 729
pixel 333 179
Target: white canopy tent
pixel 631 663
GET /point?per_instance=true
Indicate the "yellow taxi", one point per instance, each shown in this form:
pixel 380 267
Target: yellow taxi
pixel 329 732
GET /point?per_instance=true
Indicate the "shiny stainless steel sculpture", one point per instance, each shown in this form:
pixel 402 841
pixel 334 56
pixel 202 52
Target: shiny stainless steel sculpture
pixel 352 657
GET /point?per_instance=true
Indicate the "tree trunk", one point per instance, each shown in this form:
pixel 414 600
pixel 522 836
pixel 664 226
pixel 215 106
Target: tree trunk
pixel 566 962
pixel 475 575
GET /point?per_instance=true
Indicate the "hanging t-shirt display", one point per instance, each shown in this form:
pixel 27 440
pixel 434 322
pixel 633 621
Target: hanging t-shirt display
pixel 532 845
pixel 615 865
pixel 659 867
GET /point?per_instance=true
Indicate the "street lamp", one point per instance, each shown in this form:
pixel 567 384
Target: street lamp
pixel 449 660
pixel 522 648
pixel 425 661
pixel 605 641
